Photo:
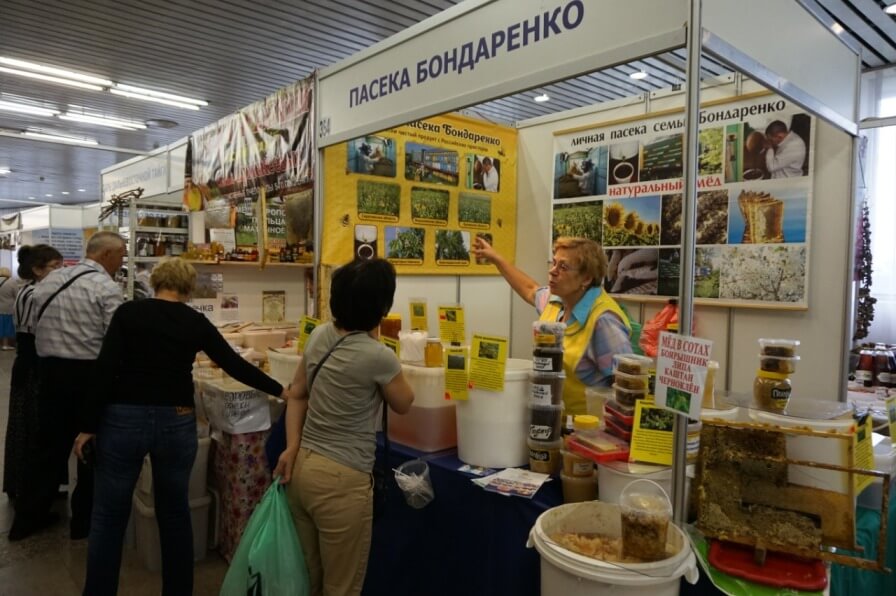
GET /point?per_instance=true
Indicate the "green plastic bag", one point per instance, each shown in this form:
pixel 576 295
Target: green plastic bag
pixel 269 560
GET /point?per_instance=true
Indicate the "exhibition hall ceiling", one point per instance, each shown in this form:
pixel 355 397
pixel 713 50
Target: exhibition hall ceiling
pixel 230 53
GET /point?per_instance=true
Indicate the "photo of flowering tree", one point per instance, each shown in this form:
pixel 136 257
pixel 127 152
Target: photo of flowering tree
pixel 765 272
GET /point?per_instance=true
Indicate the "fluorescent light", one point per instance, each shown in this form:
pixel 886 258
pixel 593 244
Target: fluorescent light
pixel 30 198
pixel 82 190
pixel 837 28
pixel 50 79
pixel 103 121
pixel 638 75
pixel 41 136
pixel 22 108
pixel 5 171
pixel 542 98
pixel 150 95
pixel 48 195
pixel 56 72
pixel 891 9
pixel 168 102
pixel 65 192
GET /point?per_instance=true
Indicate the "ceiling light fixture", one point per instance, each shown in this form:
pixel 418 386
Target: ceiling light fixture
pixel 542 98
pixel 158 96
pixel 891 9
pixel 50 79
pixel 48 195
pixel 56 72
pixel 837 28
pixel 42 136
pixel 22 108
pixel 65 192
pixel 82 190
pixel 638 75
pixel 103 120
pixel 5 171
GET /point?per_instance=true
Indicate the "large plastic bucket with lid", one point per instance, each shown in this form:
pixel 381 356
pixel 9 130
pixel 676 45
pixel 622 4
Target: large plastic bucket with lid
pixel 492 427
pixel 283 363
pixel 614 476
pixel 566 573
pixel 429 425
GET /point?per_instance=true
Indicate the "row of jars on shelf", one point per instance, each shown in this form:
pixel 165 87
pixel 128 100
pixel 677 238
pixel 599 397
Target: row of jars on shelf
pixel 877 366
pixel 161 246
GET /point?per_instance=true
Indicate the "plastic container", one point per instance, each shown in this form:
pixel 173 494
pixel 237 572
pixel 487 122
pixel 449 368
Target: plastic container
pixel 613 477
pixel 632 364
pixel 234 339
pixel 431 423
pixel 283 364
pixel 492 427
pixel 577 489
pixel 709 386
pixel 147 531
pixel 586 424
pixel 884 461
pixel 617 430
pixel 544 456
pixel 771 390
pixel 646 516
pixel 198 475
pixel 627 381
pixel 548 333
pixel 390 325
pixel 628 397
pixel 576 465
pixel 545 422
pixel 778 364
pixel 566 573
pixel 623 414
pixel 547 359
pixel 412 347
pixel 778 347
pixel 412 478
pixel 595 398
pixel 433 355
pixel 728 414
pixel 693 442
pixel 602 448
pixel 547 388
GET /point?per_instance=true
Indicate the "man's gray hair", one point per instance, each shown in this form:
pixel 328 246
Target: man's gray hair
pixel 103 241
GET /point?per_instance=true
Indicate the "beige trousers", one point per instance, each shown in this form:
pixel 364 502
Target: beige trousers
pixel 332 507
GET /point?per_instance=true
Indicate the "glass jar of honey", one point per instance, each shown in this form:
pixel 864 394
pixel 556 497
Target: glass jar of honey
pixel 390 325
pixel 771 389
pixel 433 353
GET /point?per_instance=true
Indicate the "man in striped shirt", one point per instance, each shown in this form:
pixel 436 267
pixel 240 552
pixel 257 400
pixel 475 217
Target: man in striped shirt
pixel 72 308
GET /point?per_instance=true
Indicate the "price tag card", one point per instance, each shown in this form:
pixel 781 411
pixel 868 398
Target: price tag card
pixel 418 314
pixel 456 380
pixel 392 344
pixel 488 360
pixel 652 434
pixel 864 453
pixel 891 414
pixel 681 373
pixel 306 326
pixel 451 324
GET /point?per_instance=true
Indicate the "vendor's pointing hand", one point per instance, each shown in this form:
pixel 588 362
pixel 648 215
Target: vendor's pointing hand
pixel 483 250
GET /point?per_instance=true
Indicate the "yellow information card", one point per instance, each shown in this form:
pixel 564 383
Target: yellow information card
pixel 392 344
pixel 652 434
pixel 306 326
pixel 451 324
pixel 863 449
pixel 891 414
pixel 488 360
pixel 457 381
pixel 418 314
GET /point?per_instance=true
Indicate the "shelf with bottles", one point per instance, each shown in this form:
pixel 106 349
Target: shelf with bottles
pixel 247 263
pixel 156 230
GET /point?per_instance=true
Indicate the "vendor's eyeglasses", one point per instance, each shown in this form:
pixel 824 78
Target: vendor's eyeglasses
pixel 561 266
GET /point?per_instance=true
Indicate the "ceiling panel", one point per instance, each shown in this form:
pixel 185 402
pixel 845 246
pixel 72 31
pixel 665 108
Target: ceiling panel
pixel 234 52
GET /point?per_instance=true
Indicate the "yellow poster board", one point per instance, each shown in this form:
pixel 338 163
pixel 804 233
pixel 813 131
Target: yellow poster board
pixel 864 453
pixel 452 329
pixel 488 360
pixel 418 313
pixel 306 326
pixel 652 434
pixel 419 195
pixel 457 381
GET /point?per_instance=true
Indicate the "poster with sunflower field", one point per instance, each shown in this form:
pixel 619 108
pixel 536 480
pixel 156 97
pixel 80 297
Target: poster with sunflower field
pixel 621 184
pixel 419 194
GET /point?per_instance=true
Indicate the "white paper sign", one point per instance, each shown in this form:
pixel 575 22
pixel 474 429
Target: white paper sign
pixel 681 373
pixel 210 307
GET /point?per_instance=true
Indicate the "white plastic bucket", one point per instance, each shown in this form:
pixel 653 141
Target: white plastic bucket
pixel 283 363
pixel 492 427
pixel 565 573
pixel 613 476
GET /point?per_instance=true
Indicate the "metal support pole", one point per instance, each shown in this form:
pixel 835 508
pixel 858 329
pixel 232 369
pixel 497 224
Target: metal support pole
pixel 688 237
pixel 317 200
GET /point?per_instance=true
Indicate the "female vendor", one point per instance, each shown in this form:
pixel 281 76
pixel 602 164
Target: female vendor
pixel 596 327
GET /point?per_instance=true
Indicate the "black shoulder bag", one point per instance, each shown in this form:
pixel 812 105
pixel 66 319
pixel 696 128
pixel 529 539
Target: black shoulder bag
pixel 380 473
pixel 72 280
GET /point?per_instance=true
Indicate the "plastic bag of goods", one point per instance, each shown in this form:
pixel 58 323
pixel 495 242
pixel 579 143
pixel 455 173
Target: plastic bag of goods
pixel 235 408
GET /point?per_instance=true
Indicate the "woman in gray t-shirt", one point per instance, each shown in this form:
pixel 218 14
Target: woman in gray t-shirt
pixel 331 427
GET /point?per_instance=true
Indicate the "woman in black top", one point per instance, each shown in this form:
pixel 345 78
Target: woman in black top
pixel 144 404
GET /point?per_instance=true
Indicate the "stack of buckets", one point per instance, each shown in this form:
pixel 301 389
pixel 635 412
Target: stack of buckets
pixel 546 398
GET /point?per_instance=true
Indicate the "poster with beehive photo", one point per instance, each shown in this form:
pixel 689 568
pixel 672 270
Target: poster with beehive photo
pixel 621 184
pixel 419 195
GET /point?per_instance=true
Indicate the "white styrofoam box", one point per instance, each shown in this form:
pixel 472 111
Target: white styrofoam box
pixel 235 408
pixel 198 476
pixel 147 531
pixel 262 339
pixel 884 461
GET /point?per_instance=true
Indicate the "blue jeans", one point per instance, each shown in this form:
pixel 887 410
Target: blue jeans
pixel 125 435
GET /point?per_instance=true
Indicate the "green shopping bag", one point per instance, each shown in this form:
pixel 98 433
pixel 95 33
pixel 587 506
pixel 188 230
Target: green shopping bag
pixel 269 560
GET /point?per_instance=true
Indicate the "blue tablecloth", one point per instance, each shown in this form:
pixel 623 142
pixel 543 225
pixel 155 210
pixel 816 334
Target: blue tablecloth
pixel 466 541
pixel 849 580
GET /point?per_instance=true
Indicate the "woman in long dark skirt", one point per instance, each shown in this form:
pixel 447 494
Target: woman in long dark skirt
pixel 35 262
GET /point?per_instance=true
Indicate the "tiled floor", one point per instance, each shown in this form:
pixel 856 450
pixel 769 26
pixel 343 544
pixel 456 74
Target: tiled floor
pixel 49 564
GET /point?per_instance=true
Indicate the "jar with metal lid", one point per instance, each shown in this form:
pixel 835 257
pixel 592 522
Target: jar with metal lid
pixel 433 352
pixel 771 389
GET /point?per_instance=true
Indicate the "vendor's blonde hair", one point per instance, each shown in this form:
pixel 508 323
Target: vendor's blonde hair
pixel 174 274
pixel 592 260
